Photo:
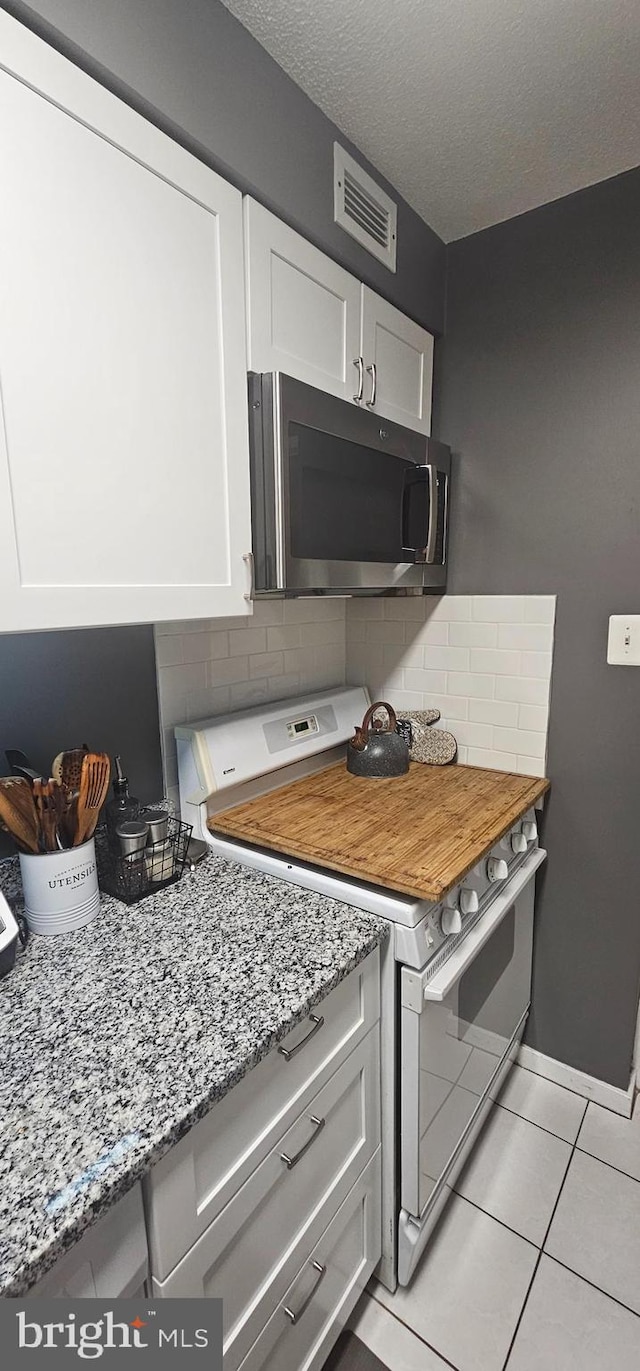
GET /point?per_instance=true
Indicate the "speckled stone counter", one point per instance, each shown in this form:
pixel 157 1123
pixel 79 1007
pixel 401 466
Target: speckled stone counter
pixel 117 1038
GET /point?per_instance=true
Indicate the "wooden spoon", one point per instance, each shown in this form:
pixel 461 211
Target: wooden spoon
pixel 18 812
pixel 67 767
pixel 94 788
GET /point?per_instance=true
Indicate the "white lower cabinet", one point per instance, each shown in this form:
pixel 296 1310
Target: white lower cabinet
pixel 301 1225
pixel 307 1321
pixel 108 1262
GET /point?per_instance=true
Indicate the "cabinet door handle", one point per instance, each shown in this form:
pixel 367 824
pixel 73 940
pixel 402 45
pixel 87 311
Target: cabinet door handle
pixel 290 1162
pixel 374 384
pixel 289 1052
pixel 322 1270
pixel 359 363
pixel 247 558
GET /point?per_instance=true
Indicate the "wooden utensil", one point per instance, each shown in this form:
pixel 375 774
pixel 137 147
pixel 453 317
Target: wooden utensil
pixel 18 812
pixel 67 767
pixel 94 788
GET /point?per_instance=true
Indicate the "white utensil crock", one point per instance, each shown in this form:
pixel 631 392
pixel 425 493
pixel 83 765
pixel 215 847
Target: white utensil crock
pixel 60 888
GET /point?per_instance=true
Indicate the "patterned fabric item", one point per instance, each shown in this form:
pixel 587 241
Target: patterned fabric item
pixel 434 746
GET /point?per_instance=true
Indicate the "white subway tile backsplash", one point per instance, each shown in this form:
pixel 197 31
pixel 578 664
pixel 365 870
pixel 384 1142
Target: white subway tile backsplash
pixel 385 631
pixel 266 664
pixel 449 607
pixel 330 631
pixel 474 687
pixel 455 706
pixel 491 659
pixel 530 766
pixel 401 607
pixel 210 666
pixel 537 664
pixel 494 712
pixel 282 636
pixel 416 678
pixel 489 757
pixel 246 693
pixel 196 647
pixel 473 635
pixel 473 735
pixel 446 658
pixel 169 650
pixel 483 661
pixel 533 717
pixel 228 670
pixel 316 609
pixel 518 741
pixel 499 609
pixel 540 609
pixel 245 640
pixel 435 633
pixel 522 690
pixel 528 637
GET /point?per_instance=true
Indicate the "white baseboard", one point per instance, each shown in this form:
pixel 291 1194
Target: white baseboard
pixel 609 1096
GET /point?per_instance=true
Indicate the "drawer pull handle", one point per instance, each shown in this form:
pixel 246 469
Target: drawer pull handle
pixel 290 1162
pixel 298 1314
pixel 289 1052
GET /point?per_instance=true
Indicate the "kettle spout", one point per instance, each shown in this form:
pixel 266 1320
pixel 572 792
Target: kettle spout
pixel 359 740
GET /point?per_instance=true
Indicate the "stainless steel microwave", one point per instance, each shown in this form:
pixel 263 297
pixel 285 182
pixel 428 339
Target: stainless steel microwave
pixel 343 501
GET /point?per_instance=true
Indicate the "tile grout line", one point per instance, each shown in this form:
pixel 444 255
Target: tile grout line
pixel 541 1126
pixel 592 1285
pixel 415 1334
pixel 541 1249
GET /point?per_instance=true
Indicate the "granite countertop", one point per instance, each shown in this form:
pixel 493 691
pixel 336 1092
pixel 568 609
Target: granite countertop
pixel 118 1037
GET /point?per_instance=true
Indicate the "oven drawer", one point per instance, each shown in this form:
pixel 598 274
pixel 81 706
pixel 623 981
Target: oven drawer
pixel 458 1019
pixel 326 1287
pixel 245 1256
pixel 189 1187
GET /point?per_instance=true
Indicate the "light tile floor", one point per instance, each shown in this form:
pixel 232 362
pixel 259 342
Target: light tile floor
pixel 535 1264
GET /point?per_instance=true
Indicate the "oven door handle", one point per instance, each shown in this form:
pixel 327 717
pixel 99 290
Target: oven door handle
pixel 419 986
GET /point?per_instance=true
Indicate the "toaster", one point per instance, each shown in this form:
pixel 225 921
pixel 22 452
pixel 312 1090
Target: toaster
pixel 9 934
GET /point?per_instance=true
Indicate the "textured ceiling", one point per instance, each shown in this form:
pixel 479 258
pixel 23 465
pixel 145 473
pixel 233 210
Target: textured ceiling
pixel 475 110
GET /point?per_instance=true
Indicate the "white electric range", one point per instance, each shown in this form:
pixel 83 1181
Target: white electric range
pixel 456 975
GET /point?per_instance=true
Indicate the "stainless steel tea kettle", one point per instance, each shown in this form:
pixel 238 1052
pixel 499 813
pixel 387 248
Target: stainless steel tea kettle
pixel 377 751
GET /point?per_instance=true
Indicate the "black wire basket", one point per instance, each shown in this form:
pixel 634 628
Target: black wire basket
pixel 146 872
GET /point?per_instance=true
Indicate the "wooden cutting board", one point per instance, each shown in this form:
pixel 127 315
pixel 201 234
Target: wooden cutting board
pixel 418 833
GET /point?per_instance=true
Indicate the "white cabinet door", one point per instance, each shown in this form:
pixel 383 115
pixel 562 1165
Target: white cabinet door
pixel 124 475
pixel 398 357
pixel 108 1262
pixel 303 311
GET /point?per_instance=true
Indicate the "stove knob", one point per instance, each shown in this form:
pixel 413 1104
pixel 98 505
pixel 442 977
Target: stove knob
pixel 469 901
pixel 451 921
pixel 497 869
pixel 530 830
pixel 518 842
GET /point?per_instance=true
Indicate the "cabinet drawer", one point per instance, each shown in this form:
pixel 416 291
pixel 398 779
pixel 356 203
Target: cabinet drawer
pixel 189 1187
pixel 250 1251
pixel 326 1287
pixel 109 1260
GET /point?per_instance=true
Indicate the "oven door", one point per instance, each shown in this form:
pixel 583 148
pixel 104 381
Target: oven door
pixel 342 500
pixel 460 1019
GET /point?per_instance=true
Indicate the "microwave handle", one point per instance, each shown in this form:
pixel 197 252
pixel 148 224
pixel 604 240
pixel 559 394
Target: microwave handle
pixel 420 986
pixel 417 485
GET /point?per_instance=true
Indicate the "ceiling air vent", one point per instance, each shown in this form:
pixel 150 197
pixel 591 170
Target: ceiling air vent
pixel 363 209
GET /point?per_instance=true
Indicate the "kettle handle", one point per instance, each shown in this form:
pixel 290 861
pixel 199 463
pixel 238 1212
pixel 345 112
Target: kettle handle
pixel 380 704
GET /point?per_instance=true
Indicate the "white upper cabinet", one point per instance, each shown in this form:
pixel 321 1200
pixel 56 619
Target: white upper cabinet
pixel 124 472
pixel 312 320
pixel 398 357
pixel 303 311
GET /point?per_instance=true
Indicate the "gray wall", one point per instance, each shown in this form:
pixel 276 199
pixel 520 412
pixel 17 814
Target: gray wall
pixel 196 72
pixel 94 685
pixel 539 393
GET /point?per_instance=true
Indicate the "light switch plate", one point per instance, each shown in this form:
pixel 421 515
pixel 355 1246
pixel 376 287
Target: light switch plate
pixel 623 647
